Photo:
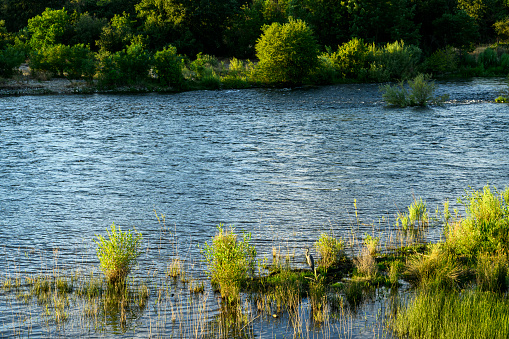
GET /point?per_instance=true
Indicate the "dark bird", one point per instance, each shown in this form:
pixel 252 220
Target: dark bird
pixel 311 261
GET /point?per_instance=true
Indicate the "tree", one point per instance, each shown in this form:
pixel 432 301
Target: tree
pixel 191 25
pixel 50 28
pixel 287 52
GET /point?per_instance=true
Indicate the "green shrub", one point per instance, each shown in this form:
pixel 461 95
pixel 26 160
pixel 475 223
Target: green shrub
pixel 350 58
pixel 74 62
pixel 330 250
pixel 396 95
pixel 10 60
pixel 203 66
pixel 399 60
pixel 442 61
pixel 118 254
pixel 420 94
pixel 129 66
pixel 485 227
pixel 488 58
pixel 230 262
pixel 288 53
pixel 168 66
pixel 81 62
pixel 504 62
pixel 49 28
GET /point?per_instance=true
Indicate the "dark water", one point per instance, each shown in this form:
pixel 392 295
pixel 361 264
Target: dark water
pixel 282 164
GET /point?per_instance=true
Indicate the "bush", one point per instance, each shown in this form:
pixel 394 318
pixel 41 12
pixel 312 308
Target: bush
pixel 288 53
pixel 230 262
pixel 350 58
pixel 442 61
pixel 10 60
pixel 488 58
pixel 129 66
pixel 485 227
pixel 330 250
pixel 168 66
pixel 420 94
pixel 118 253
pixel 75 61
pixel 399 60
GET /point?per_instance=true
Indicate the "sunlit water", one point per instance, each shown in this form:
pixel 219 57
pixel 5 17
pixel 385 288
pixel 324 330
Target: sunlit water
pixel 284 165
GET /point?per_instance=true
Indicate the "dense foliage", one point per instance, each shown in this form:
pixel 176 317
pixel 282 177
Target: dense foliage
pixel 364 40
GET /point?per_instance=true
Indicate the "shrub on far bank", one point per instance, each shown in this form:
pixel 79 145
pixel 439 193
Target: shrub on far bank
pixel 73 62
pixel 168 66
pixel 10 60
pixel 288 53
pixel 127 67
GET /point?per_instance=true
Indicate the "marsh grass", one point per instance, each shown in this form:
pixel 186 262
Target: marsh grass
pixel 439 269
pixel 491 272
pixel 445 314
pixel 365 264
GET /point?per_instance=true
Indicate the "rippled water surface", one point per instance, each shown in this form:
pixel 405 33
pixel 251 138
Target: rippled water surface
pixel 284 165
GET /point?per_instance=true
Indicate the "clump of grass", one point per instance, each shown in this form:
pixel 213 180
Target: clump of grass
pixel 230 262
pixel 395 269
pixel 331 250
pixel 439 269
pixel 175 268
pixel 318 298
pixel 118 254
pixel 366 264
pixel 491 272
pixel 417 216
pixel 371 244
pixel 445 314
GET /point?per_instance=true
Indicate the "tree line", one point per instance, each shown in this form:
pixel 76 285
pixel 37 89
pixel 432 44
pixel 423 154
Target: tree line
pixel 109 33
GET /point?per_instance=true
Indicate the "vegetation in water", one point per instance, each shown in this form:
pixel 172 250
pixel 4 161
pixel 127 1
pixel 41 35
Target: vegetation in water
pixel 456 283
pixel 231 262
pixel 118 253
pixel 420 93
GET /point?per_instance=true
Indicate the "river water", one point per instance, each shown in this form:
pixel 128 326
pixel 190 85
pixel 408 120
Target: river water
pixel 282 164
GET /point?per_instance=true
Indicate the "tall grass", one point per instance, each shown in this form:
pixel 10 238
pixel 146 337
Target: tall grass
pixel 444 314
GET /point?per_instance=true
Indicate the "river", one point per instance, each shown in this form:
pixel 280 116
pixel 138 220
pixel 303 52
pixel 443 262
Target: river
pixel 282 164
